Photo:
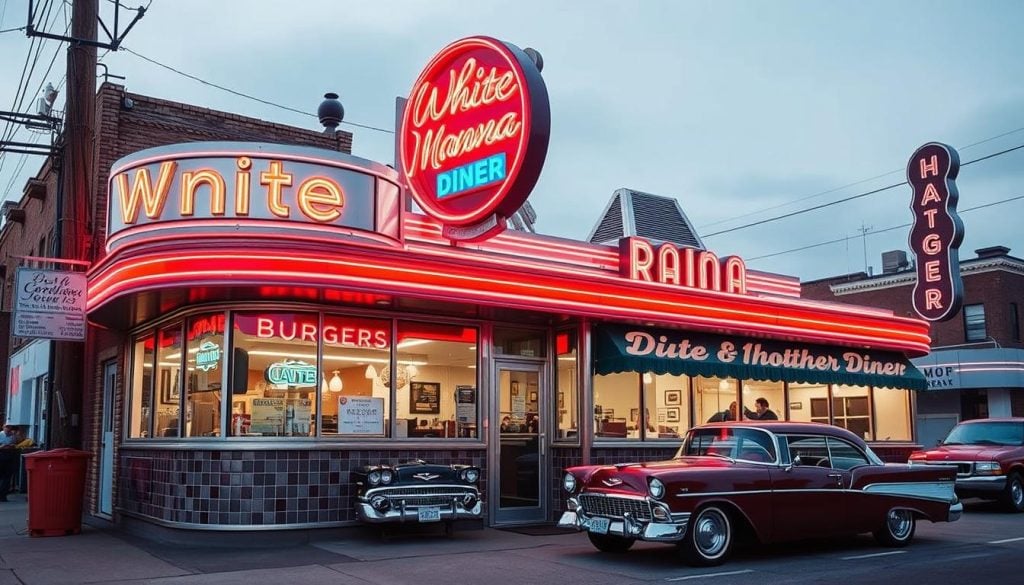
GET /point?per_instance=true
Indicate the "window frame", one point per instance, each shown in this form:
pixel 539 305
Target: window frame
pixel 968 337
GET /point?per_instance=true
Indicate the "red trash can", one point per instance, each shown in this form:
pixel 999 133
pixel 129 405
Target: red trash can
pixel 56 485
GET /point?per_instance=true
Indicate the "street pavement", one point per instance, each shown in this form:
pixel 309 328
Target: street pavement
pixel 110 555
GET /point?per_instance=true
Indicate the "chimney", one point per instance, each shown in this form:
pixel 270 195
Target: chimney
pixel 992 252
pixel 893 261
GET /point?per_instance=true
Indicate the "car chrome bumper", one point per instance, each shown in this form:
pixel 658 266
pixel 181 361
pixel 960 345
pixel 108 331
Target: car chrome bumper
pixel 453 510
pixel 982 484
pixel 956 509
pixel 629 527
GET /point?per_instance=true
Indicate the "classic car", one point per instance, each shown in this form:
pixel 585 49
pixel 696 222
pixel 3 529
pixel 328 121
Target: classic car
pixel 989 456
pixel 417 492
pixel 769 481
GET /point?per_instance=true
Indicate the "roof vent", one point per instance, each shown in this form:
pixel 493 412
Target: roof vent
pixel 893 261
pixel 652 217
pixel 992 251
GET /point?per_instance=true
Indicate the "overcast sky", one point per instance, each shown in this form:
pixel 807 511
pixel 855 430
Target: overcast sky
pixel 743 111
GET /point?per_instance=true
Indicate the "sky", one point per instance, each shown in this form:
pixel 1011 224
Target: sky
pixel 742 110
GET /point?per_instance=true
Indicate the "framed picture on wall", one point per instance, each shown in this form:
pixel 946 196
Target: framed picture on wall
pixel 662 415
pixel 673 397
pixel 672 415
pixel 634 415
pixel 425 397
pixel 533 397
pixel 515 388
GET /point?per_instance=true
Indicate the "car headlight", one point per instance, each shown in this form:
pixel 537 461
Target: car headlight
pixel 386 476
pixel 988 468
pixel 374 478
pixel 657 489
pixel 569 482
pixel 472 474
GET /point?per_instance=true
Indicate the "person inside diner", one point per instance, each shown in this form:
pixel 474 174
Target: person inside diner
pixel 761 412
pixel 724 415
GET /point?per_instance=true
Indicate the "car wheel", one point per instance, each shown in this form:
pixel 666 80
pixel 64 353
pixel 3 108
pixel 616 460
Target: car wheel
pixel 1013 499
pixel 708 538
pixel 610 544
pixel 898 529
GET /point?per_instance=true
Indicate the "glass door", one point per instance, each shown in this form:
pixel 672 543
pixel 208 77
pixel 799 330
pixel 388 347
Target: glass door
pixel 520 458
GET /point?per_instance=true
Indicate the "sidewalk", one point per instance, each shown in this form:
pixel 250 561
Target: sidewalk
pixel 111 556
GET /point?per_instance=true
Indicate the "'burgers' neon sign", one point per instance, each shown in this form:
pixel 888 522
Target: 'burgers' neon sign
pixel 474 135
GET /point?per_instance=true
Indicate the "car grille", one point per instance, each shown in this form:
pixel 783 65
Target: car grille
pixel 615 507
pixel 963 468
pixel 426 496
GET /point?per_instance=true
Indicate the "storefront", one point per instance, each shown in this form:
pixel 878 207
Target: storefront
pixel 278 319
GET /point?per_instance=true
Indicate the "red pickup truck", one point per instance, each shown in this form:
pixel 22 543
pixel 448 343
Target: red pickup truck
pixel 989 456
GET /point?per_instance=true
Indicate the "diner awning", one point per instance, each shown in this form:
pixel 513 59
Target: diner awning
pixel 623 348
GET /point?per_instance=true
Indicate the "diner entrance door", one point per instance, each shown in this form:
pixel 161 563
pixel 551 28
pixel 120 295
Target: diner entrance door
pixel 518 470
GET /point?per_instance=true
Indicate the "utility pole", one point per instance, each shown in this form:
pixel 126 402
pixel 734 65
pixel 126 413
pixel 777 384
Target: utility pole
pixel 76 185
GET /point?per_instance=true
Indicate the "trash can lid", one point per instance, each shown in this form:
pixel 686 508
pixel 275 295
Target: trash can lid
pixel 62 453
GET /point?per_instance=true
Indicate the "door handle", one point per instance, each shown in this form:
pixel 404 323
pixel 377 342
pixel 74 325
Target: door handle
pixel 543 438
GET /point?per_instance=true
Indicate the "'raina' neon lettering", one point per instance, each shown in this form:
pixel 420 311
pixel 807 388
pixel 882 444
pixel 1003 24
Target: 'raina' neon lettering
pixel 471 88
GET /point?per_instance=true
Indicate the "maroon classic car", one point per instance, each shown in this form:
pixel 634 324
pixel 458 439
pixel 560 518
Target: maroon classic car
pixel 772 481
pixel 989 456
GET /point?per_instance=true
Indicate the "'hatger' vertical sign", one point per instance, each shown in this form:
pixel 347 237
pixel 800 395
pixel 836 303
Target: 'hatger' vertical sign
pixel 49 304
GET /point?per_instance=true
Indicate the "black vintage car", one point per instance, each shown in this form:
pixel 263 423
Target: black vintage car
pixel 417 492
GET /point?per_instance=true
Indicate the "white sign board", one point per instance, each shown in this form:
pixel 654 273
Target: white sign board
pixel 49 304
pixel 360 415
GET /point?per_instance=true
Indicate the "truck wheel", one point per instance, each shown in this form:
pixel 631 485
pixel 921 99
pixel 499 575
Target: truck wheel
pixel 898 529
pixel 1013 497
pixel 609 543
pixel 708 539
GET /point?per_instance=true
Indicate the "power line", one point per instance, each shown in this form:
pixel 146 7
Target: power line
pixel 855 183
pixel 880 231
pixel 850 198
pixel 7 30
pixel 245 95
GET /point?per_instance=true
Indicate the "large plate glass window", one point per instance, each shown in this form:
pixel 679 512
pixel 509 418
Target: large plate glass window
pixel 567 391
pixel 141 402
pixel 892 414
pixel 204 363
pixel 851 410
pixel 435 382
pixel 772 392
pixel 808 403
pixel 274 378
pixel 715 399
pixel 169 381
pixel 355 390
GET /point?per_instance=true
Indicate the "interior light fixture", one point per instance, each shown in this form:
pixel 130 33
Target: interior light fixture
pixel 371 372
pixel 724 385
pixel 335 384
pixel 323 385
pixel 648 378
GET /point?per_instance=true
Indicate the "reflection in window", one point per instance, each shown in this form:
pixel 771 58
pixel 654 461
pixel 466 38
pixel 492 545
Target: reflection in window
pixel 141 401
pixel 567 386
pixel 205 366
pixel 436 392
pixel 274 374
pixel 356 354
pixel 168 367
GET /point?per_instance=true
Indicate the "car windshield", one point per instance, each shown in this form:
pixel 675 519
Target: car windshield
pixel 987 433
pixel 732 443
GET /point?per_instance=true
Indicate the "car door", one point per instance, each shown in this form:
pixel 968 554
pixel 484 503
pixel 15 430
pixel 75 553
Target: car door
pixel 808 493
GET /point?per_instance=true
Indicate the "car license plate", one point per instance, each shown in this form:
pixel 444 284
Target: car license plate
pixel 432 514
pixel 599 525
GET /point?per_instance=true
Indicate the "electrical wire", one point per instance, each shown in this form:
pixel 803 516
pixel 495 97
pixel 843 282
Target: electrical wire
pixel 879 231
pixel 247 96
pixel 850 198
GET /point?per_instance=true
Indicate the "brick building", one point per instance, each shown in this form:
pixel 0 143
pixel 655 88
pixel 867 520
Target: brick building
pixel 976 367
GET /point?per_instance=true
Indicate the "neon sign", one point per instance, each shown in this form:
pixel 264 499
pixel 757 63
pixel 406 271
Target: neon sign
pixel 291 373
pixel 936 232
pixel 270 328
pixel 681 266
pixel 208 356
pixel 474 135
pixel 240 189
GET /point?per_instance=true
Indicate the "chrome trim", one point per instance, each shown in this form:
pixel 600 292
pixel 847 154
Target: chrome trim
pixel 940 491
pixel 630 526
pixel 957 464
pixel 451 507
pixel 955 511
pixel 366 513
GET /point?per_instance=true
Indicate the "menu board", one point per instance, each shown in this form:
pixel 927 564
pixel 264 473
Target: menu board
pixel 360 415
pixel 465 404
pixel 425 398
pixel 267 416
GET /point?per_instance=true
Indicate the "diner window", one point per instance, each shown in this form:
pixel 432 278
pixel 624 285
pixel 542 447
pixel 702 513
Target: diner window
pixel 808 403
pixel 851 410
pixel 168 373
pixel 519 342
pixel 892 414
pixel 356 398
pixel 666 407
pixel 715 399
pixel 140 418
pixel 974 323
pixel 567 392
pixel 436 390
pixel 615 397
pixel 772 392
pixel 204 364
pixel 274 377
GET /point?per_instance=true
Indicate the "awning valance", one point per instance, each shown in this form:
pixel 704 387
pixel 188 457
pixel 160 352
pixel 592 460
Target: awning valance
pixel 620 348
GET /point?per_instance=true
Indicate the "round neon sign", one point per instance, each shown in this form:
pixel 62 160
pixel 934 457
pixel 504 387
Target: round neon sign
pixel 474 135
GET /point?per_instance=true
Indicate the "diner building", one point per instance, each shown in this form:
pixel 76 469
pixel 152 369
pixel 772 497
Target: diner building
pixel 268 317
